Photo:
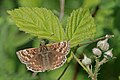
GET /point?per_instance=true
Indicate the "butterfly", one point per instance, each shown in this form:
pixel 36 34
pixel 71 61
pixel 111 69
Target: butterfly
pixel 46 57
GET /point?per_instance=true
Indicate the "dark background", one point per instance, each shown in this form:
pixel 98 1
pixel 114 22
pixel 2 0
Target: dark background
pixel 107 18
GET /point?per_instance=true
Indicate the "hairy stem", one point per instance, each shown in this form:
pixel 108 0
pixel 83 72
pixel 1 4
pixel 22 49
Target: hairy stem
pixel 103 61
pixel 90 71
pixel 97 67
pixel 80 63
pixel 101 38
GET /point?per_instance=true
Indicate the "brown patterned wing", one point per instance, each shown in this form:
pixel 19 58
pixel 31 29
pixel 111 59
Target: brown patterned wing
pixel 27 54
pixel 32 58
pixel 36 64
pixel 57 54
pixel 61 47
pixel 56 60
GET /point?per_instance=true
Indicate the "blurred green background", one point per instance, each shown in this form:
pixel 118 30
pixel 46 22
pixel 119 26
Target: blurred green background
pixel 107 18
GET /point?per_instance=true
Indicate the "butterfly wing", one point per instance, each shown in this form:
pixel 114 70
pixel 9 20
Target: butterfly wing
pixel 36 64
pixel 56 60
pixel 27 54
pixel 32 58
pixel 57 54
pixel 61 47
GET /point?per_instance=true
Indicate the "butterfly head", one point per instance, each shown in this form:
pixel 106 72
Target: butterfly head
pixel 43 48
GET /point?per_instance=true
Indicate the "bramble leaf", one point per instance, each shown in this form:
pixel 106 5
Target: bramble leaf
pixel 38 22
pixel 80 26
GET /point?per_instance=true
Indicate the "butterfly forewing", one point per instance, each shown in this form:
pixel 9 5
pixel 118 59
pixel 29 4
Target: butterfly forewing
pixel 62 47
pixel 27 54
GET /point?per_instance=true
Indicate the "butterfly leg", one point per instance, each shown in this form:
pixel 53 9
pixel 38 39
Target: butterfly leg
pixel 34 74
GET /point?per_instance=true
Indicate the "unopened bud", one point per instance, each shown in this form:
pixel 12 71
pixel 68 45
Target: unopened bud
pixel 108 54
pixel 86 60
pixel 96 52
pixel 103 45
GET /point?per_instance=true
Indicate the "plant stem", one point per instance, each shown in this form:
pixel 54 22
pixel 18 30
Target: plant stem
pixel 103 61
pixel 86 68
pixel 101 38
pixel 62 4
pixel 91 75
pixel 97 67
pixel 80 63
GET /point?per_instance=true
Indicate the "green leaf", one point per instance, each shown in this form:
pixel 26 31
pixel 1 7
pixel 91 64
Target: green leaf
pixel 80 26
pixel 38 22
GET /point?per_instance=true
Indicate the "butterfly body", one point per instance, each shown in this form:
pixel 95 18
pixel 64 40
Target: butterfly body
pixel 45 57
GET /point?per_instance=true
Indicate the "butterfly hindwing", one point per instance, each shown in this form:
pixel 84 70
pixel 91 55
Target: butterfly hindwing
pixel 56 59
pixel 32 58
pixel 36 64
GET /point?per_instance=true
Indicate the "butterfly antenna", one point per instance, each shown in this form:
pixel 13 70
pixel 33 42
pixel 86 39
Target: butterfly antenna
pixel 51 35
pixel 45 41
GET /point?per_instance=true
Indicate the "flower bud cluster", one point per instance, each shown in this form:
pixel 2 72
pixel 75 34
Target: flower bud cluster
pixel 103 47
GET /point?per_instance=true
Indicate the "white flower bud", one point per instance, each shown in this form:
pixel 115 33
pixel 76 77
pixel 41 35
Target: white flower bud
pixel 86 60
pixel 108 54
pixel 103 45
pixel 97 52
